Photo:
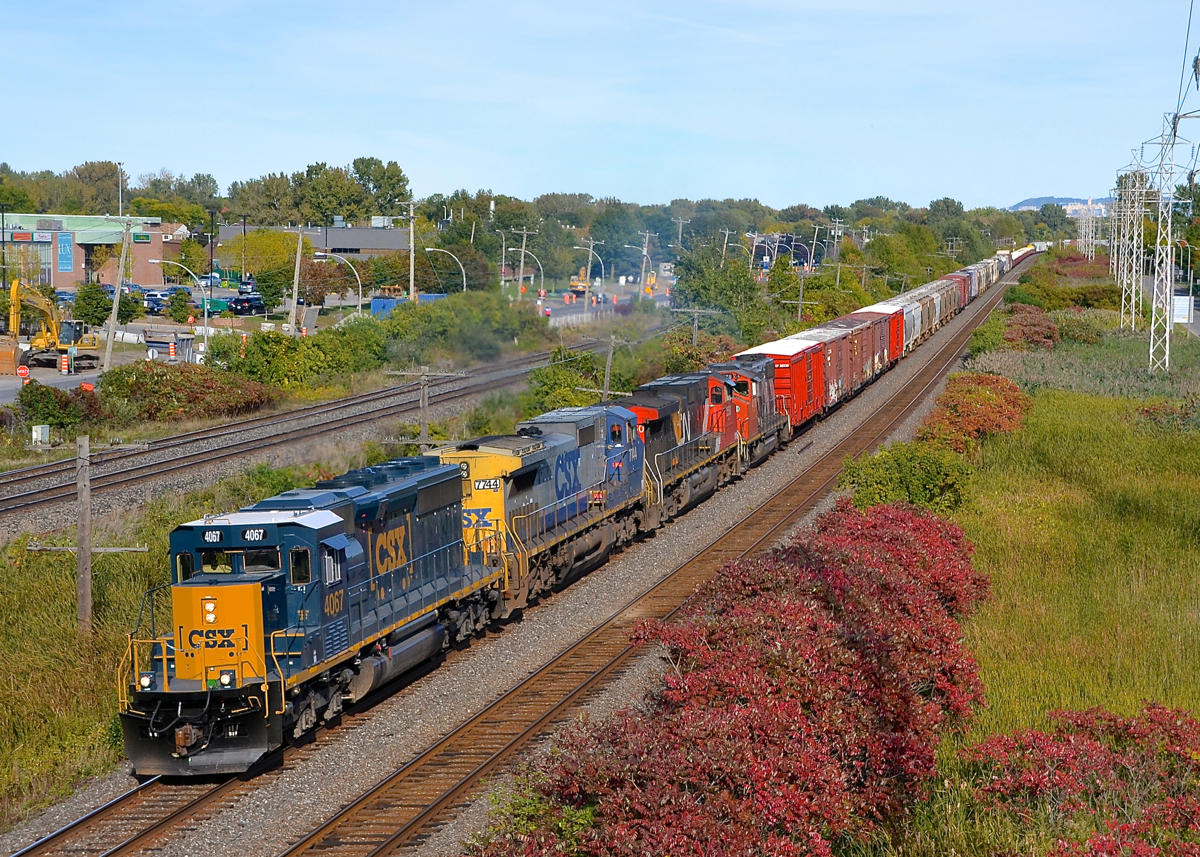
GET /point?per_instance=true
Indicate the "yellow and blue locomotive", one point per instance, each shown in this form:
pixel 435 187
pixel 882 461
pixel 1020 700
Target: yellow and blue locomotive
pixel 279 614
pixel 552 501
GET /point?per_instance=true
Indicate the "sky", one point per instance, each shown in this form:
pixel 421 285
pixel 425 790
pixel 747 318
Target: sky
pixel 786 102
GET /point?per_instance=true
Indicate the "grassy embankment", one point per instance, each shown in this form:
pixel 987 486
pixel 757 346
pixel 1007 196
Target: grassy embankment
pixel 1087 521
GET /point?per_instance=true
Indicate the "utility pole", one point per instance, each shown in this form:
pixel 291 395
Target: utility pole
pixel 645 255
pixel 1161 324
pixel 696 313
pixel 680 221
pixel 812 257
pixel 412 252
pixel 116 304
pixel 83 549
pixel 120 189
pixel 295 283
pixel 423 377
pixel 4 249
pixel 1130 211
pixel 525 233
pixel 836 233
pixel 83 535
pixel 725 244
pixel 587 286
pixel 612 344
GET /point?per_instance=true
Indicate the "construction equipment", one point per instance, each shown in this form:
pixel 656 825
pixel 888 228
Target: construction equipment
pixel 51 336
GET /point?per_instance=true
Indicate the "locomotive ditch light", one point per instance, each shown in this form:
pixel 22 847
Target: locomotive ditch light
pixel 146 681
pixel 226 678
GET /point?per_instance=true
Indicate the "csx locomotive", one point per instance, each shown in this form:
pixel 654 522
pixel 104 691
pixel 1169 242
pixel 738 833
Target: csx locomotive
pixel 280 614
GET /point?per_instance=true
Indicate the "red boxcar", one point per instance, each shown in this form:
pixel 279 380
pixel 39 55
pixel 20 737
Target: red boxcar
pixel 894 324
pixel 837 374
pixel 964 286
pixel 799 377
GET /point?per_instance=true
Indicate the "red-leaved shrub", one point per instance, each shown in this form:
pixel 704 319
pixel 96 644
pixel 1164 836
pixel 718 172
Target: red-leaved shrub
pixel 1030 327
pixel 1122 785
pixel 974 405
pixel 809 689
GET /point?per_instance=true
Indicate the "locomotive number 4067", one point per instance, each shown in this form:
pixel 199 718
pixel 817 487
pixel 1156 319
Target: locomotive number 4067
pixel 334 602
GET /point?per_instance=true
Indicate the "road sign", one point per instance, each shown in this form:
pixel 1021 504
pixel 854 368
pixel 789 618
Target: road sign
pixel 22 371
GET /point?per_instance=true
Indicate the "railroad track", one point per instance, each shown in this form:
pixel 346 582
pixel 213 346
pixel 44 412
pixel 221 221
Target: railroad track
pixel 407 807
pixel 66 467
pixel 132 472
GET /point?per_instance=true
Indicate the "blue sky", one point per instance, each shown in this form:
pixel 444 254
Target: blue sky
pixel 788 102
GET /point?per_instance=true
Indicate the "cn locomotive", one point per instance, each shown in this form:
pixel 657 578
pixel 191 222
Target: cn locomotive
pixel 280 614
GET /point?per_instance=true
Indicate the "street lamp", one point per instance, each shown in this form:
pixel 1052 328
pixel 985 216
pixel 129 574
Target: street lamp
pixel 196 281
pixel 529 252
pixel 323 255
pixel 645 261
pixel 455 258
pixel 598 259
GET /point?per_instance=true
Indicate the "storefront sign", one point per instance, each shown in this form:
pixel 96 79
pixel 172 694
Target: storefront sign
pixel 22 236
pixel 141 238
pixel 66 252
pixel 43 237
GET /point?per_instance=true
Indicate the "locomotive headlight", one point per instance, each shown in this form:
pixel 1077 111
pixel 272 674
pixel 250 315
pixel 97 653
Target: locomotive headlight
pixel 210 618
pixel 146 681
pixel 226 678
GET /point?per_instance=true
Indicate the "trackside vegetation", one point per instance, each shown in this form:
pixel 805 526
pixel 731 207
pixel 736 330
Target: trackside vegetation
pixel 1076 484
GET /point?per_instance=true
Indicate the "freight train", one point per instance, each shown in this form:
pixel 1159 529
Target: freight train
pixel 280 614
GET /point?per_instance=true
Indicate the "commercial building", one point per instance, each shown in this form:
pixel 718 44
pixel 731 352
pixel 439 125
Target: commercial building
pixel 64 249
pixel 353 242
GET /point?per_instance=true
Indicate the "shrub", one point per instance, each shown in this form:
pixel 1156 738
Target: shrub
pixel 1173 416
pixel 43 405
pixel 1102 784
pixel 1084 325
pixel 161 391
pixel 973 406
pixel 1029 326
pixel 988 336
pixel 809 690
pixel 919 473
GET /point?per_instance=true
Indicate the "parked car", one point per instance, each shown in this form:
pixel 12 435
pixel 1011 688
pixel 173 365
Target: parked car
pixel 248 305
pixel 209 279
pixel 154 306
pixel 64 297
pixel 247 287
pixel 173 289
pixel 157 294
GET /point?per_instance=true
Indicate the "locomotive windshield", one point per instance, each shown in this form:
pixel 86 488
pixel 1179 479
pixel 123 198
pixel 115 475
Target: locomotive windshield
pixel 227 561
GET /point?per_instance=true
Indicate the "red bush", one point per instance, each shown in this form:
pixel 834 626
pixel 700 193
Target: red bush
pixel 809 691
pixel 974 405
pixel 1134 782
pixel 1030 326
pixel 1077 266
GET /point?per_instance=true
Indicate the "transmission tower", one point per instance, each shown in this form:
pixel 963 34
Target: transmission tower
pixel 1164 249
pixel 1129 213
pixel 1087 232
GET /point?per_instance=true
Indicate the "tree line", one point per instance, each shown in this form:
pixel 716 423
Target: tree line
pixel 481 227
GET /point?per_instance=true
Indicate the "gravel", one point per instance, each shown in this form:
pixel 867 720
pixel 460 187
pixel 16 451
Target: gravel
pixel 355 755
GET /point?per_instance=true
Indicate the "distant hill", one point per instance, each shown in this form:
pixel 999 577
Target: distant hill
pixel 1039 201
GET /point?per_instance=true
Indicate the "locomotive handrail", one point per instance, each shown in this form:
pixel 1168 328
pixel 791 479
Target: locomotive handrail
pixel 529 533
pixel 149 593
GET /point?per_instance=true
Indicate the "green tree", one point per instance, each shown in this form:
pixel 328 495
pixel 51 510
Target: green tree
pixel 179 307
pixel 193 257
pixel 93 305
pixel 333 191
pixel 386 185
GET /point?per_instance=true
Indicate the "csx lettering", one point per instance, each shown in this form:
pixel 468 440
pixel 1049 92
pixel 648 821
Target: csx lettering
pixel 474 519
pixel 334 602
pixel 212 638
pixel 566 475
pixel 390 550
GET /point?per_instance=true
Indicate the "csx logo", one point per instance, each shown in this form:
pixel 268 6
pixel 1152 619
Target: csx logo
pixel 391 552
pixel 474 519
pixel 566 475
pixel 212 638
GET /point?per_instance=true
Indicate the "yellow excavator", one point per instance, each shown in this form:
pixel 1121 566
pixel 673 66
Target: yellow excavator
pixel 50 336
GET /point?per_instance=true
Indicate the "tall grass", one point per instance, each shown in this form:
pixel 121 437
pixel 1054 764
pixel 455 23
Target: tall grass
pixel 58 691
pixel 1116 366
pixel 1088 522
